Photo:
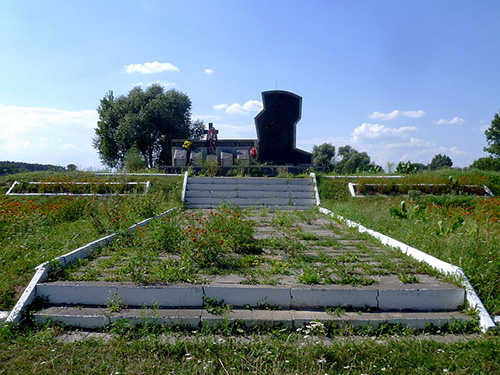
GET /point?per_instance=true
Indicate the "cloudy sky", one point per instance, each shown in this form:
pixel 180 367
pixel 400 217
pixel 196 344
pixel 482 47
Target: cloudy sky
pixel 401 80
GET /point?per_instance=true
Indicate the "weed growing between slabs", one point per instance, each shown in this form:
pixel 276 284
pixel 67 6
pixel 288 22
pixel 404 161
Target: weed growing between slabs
pixel 256 247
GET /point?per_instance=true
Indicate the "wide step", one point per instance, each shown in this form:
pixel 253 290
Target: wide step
pixel 210 192
pixel 98 317
pixel 426 296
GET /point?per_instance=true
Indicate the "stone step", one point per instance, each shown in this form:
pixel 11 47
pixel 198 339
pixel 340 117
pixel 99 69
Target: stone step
pixel 431 296
pixel 212 206
pixel 249 180
pixel 254 188
pixel 250 202
pixel 98 317
pixel 247 194
pixel 210 192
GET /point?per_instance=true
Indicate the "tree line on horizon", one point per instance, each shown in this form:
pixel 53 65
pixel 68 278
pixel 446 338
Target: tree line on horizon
pixel 13 167
pixel 348 160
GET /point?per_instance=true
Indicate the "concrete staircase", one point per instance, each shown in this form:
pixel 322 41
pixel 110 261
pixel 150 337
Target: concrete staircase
pixel 281 193
pixel 93 305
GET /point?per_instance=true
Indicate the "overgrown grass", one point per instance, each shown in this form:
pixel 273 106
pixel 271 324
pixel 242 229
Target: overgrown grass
pixel 279 351
pixel 36 229
pixel 460 229
pixel 194 247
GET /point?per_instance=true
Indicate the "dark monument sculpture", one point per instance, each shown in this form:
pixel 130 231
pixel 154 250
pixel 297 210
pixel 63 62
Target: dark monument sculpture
pixel 276 126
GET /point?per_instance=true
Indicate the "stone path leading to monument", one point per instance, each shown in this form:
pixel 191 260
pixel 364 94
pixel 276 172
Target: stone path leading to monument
pixel 310 268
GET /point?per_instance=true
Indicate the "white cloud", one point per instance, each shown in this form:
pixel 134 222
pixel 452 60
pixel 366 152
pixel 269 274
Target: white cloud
pixel 209 71
pixel 454 121
pixel 375 132
pixel 396 114
pixel 220 107
pixel 250 106
pixel 384 144
pixel 46 135
pixel 151 67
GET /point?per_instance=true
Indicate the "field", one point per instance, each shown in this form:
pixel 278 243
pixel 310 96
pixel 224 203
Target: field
pixel 461 229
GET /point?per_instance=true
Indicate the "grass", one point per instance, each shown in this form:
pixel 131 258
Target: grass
pixel 31 238
pixel 34 230
pixel 460 229
pixel 153 350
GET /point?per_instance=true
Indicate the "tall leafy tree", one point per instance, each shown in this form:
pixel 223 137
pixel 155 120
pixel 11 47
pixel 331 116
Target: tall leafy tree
pixel 493 136
pixel 353 161
pixel 323 155
pixel 440 161
pixel 145 120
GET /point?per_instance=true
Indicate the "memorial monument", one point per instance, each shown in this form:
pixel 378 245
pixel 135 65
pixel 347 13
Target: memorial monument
pixel 276 132
pixel 276 129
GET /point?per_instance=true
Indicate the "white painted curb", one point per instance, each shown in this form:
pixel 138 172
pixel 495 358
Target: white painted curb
pixel 9 192
pixel 485 321
pixel 136 174
pixel 184 187
pixel 42 271
pixel 315 187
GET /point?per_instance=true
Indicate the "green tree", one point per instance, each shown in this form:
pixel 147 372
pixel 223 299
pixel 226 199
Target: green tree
pixel 147 120
pixel 440 161
pixel 493 137
pixel 323 155
pixel 353 161
pixel 487 164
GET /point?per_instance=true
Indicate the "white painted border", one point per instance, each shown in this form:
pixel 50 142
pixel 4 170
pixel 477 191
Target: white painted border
pixel 9 192
pixel 485 321
pixel 315 187
pixel 12 188
pixel 184 187
pixel 136 174
pixel 42 271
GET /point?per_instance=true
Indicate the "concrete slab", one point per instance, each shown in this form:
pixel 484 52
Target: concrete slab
pixel 421 299
pixel 241 295
pixel 134 295
pixel 308 297
pixel 251 318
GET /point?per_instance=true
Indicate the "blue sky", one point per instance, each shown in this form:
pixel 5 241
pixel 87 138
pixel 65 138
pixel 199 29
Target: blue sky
pixel 401 80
